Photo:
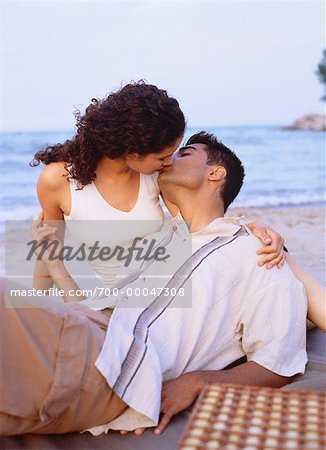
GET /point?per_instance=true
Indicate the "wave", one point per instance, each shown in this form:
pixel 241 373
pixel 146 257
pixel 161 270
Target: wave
pixel 20 213
pixel 260 201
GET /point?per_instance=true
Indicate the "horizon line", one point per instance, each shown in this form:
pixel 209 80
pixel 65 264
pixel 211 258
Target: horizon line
pixel 199 127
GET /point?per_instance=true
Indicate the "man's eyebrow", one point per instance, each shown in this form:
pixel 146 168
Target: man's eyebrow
pixel 186 146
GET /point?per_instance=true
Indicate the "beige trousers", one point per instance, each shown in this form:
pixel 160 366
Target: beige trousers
pixel 49 383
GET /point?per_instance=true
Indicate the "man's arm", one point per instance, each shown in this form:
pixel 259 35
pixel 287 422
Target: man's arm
pixel 272 337
pixel 180 393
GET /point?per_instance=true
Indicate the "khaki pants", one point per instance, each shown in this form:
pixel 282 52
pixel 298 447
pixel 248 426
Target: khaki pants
pixel 49 383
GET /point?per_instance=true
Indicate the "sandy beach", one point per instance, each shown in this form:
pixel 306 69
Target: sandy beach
pixel 303 229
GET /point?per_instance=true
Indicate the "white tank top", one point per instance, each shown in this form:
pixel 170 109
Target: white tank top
pixel 110 226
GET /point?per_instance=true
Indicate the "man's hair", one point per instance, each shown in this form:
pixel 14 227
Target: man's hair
pixel 219 154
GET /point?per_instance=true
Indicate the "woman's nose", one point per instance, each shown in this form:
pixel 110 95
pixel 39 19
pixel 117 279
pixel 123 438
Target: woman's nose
pixel 168 162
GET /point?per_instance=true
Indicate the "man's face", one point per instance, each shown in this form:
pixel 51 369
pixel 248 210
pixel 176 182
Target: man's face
pixel 189 168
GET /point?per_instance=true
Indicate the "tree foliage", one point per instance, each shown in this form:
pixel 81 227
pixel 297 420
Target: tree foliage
pixel 321 72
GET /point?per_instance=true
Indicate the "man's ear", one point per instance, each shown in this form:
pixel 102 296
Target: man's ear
pixel 217 173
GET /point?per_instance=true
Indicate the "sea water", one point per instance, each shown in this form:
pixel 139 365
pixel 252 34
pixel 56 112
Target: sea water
pixel 282 167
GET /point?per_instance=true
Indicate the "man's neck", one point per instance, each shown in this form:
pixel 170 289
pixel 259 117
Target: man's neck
pixel 199 213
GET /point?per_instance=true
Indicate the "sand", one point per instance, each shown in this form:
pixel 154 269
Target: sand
pixel 303 229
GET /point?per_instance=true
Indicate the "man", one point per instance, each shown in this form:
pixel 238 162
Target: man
pixel 237 309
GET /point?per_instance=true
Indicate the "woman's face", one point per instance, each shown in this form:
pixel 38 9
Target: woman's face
pixel 153 162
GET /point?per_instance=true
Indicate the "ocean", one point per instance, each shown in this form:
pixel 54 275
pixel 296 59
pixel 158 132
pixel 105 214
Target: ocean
pixel 283 168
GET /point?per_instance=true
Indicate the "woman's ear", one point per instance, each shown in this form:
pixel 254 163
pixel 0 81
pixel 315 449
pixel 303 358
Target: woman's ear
pixel 217 173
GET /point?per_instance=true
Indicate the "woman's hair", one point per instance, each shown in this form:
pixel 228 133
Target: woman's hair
pixel 139 118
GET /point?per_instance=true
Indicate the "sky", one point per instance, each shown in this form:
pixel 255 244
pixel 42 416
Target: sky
pixel 227 62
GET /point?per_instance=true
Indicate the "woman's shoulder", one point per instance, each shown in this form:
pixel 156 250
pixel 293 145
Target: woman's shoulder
pixel 53 190
pixel 53 176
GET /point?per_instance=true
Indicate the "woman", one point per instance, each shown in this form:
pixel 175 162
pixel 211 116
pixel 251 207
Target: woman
pixel 109 170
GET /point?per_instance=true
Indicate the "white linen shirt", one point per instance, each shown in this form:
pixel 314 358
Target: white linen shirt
pixel 238 309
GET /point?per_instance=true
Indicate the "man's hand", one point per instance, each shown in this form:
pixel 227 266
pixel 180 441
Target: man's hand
pixel 180 393
pixel 274 254
pixel 177 395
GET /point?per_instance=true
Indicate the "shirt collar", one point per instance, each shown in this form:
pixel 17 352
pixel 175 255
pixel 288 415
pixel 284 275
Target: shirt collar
pixel 222 226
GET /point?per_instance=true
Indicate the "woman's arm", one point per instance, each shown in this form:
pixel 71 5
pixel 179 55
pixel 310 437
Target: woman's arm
pixel 315 294
pixel 49 256
pixel 49 190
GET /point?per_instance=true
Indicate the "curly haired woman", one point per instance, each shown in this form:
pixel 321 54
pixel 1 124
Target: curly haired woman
pixel 109 170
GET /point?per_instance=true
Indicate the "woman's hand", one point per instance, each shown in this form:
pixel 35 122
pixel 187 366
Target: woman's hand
pixel 274 254
pixel 47 245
